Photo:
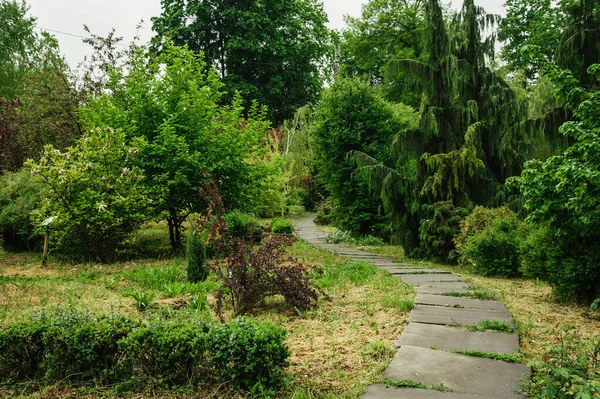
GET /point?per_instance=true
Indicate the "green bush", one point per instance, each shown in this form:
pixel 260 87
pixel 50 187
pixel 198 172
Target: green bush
pixel 495 252
pixel 536 250
pixel 197 271
pixel 66 344
pixel 438 229
pixel 19 197
pixel 476 223
pixel 243 225
pixel 96 193
pixel 340 236
pixel 570 368
pixel 281 226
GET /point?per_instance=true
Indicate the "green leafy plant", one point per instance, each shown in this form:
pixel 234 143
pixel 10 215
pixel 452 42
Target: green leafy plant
pixel 568 368
pixel 243 225
pixel 438 229
pixel 340 236
pixel 198 302
pixel 142 299
pixel 282 226
pixel 96 193
pixel 197 271
pixel 595 305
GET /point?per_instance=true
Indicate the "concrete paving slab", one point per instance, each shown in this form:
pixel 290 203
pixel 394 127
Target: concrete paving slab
pixel 380 391
pixel 429 278
pixel 463 374
pixel 441 287
pixel 442 300
pixel 449 316
pixel 452 339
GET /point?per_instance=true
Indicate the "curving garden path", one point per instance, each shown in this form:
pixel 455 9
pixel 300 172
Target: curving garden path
pixel 426 349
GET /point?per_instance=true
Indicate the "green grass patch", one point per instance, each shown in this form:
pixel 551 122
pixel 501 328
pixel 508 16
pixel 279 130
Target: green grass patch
pixel 505 357
pixel 479 294
pixel 488 325
pixel 414 384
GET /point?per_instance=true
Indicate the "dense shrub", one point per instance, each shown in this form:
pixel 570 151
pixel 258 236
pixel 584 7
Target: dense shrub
pixel 570 368
pixel 243 225
pixel 69 345
pixel 197 271
pixel 495 251
pixel 251 274
pixel 282 226
pixel 96 193
pixel 324 213
pixel 340 236
pixel 19 197
pixel 536 250
pixel 476 222
pixel 436 232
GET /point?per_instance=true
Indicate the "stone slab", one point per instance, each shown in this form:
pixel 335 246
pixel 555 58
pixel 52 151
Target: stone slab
pixel 430 278
pixel 452 339
pixel 442 287
pixel 450 316
pixel 463 374
pixel 442 300
pixel 380 391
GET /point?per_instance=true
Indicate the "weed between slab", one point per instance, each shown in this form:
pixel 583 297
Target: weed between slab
pixel 505 357
pixel 487 325
pixel 478 294
pixel 414 384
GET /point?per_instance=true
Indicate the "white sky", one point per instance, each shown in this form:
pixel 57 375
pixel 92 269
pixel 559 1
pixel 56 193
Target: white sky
pixel 69 16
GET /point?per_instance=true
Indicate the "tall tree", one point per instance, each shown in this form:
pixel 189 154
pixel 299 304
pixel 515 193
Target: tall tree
pixel 17 40
pixel 530 23
pixel 271 51
pixel 386 30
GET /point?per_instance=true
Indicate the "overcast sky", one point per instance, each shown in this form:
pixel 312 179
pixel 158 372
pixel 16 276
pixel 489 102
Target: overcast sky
pixel 69 16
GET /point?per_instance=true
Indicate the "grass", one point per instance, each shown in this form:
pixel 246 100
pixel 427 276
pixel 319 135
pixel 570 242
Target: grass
pixel 414 384
pixel 505 357
pixel 337 350
pixel 477 294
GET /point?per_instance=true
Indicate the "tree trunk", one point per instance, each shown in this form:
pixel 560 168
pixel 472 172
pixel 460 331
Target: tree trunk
pixel 175 224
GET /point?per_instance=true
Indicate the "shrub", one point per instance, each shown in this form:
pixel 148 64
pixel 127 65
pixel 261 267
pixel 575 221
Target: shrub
pixel 324 213
pixel 19 197
pixel 251 274
pixel 570 368
pixel 495 252
pixel 197 271
pixel 436 232
pixel 66 344
pixel 282 226
pixel 243 225
pixel 476 222
pixel 370 241
pixel 536 250
pixel 95 192
pixel 338 236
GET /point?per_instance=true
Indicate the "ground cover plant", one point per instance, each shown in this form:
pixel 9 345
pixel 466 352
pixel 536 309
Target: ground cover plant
pixel 336 349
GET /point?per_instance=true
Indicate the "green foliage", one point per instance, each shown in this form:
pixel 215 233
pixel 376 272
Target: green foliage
pixel 537 251
pixel 356 273
pixel 282 226
pixel 197 271
pixel 569 367
pixel 386 30
pixel 476 222
pixel 172 101
pixel 595 305
pixel 353 116
pixel 96 193
pixel 60 345
pixel 268 52
pixel 563 194
pixel 142 299
pixel 495 251
pixel 19 197
pixel 339 236
pixel 171 281
pixel 436 232
pixel 243 225
pixel 530 23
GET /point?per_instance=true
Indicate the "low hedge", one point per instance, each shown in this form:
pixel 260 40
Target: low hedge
pixel 242 354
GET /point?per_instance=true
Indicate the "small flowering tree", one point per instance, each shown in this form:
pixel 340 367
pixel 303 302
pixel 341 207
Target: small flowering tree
pixel 95 192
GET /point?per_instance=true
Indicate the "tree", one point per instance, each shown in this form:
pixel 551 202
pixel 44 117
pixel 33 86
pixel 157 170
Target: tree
pixel 386 30
pixel 530 23
pixel 270 51
pixel 353 116
pixel 18 39
pixel 172 101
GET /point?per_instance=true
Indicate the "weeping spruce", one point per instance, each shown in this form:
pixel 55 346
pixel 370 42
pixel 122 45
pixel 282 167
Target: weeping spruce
pixel 466 146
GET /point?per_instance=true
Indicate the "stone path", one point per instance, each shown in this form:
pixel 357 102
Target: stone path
pixel 425 349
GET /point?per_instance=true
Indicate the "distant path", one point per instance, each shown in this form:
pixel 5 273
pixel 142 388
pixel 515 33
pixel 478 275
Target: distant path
pixel 426 346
